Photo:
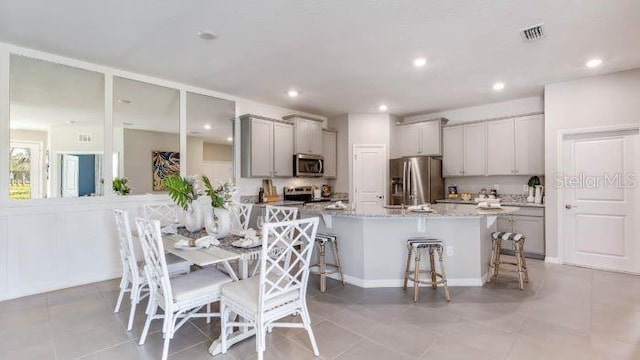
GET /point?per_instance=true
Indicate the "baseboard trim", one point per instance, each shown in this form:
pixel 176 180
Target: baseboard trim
pixel 552 260
pixel 383 283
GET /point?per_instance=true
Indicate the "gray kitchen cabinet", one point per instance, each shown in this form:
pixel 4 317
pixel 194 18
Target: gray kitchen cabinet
pixel 266 147
pixel 329 152
pixel 516 146
pixel 452 154
pixel 307 134
pixel 421 138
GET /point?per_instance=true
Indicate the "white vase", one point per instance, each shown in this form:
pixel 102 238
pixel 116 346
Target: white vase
pixel 222 218
pixel 531 197
pixel 539 193
pixel 193 217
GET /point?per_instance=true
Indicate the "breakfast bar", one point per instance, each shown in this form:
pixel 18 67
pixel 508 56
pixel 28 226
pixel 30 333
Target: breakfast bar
pixel 373 241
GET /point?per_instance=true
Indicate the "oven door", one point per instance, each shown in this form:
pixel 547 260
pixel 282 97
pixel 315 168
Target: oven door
pixel 308 165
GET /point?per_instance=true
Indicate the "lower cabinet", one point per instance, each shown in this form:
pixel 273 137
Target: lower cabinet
pixel 530 223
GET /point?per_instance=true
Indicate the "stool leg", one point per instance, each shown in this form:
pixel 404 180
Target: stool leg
pixel 322 263
pixel 338 261
pixel 524 265
pixel 518 251
pixel 416 276
pixel 443 275
pixel 407 268
pixel 492 262
pixel 432 262
pixel 496 270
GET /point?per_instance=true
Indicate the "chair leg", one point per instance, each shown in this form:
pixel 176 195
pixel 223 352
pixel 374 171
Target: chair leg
pixel 259 339
pixel 223 328
pixel 152 312
pixel 407 268
pixel 208 312
pixel 416 276
pixel 306 319
pixel 432 263
pixel 135 298
pixel 123 289
pixel 338 261
pixel 443 274
pixel 165 347
pixel 322 261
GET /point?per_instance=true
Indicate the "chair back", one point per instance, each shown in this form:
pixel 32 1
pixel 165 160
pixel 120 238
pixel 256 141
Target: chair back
pixel 127 252
pixel 284 263
pixel 280 213
pixel 155 263
pixel 240 215
pixel 167 213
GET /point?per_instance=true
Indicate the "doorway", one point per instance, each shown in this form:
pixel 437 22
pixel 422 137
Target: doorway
pixel 25 173
pixel 369 176
pixel 599 199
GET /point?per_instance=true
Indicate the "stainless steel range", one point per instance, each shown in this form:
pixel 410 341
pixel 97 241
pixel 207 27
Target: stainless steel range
pixel 302 193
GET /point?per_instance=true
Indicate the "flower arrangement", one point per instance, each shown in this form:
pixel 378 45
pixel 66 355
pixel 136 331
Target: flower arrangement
pixel 183 191
pixel 221 195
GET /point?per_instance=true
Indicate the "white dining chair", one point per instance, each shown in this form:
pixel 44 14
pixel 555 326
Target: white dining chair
pixel 261 301
pixel 166 212
pixel 280 213
pixel 180 298
pixel 133 279
pixel 240 215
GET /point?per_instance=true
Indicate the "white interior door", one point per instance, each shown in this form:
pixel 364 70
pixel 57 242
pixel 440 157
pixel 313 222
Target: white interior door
pixel 600 197
pixel 369 175
pixel 70 174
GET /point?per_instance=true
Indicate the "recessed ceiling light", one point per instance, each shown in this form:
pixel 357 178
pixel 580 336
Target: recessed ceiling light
pixel 292 93
pixel 498 86
pixel 229 138
pixel 207 35
pixel 124 101
pixel 419 62
pixel 207 127
pixel 594 63
pixel 383 107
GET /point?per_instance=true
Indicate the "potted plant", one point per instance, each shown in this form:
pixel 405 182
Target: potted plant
pixel 533 182
pixel 183 191
pixel 219 220
pixel 120 186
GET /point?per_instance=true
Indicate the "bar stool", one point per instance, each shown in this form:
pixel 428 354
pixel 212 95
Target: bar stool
pixel 321 265
pixel 517 242
pixel 430 246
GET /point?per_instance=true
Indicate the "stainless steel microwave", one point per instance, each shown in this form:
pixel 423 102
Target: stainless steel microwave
pixel 307 165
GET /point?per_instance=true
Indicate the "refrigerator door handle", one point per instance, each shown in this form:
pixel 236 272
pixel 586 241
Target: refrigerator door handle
pixel 409 190
pixel 404 181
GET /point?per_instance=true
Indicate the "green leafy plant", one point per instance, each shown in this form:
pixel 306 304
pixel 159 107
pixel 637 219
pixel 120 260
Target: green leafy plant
pixel 121 186
pixel 219 196
pixel 533 181
pixel 180 190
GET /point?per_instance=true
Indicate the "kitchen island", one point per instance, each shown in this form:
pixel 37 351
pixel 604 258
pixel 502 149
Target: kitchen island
pixel 373 241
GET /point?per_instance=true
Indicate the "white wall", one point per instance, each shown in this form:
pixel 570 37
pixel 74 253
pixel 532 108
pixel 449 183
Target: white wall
pixel 590 102
pixel 217 152
pixel 488 111
pixel 341 125
pixel 504 184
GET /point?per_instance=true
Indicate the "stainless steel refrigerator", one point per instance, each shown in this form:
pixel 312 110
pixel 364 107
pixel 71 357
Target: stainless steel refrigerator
pixel 415 180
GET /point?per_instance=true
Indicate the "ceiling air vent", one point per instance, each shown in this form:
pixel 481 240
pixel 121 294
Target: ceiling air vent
pixel 85 138
pixel 533 33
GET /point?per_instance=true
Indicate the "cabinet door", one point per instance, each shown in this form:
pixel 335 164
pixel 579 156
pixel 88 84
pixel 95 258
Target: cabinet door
pixel 475 149
pixel 500 147
pixel 301 134
pixel 314 137
pixel 410 139
pixel 282 150
pixel 452 137
pixel 329 152
pixel 261 148
pixel 430 138
pixel 529 143
pixel 533 230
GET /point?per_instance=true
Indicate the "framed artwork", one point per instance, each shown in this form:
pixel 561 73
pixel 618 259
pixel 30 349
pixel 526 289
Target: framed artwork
pixel 164 163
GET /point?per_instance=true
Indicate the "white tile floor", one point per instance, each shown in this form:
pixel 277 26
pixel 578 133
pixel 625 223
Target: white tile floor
pixel 565 313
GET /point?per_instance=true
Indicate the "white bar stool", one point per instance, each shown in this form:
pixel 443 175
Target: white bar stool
pixel 321 265
pixel 420 245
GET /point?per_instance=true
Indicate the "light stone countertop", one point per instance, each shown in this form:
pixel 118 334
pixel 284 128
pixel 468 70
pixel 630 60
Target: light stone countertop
pixel 505 202
pixel 439 211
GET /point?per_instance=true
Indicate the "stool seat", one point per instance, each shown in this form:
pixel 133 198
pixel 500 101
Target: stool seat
pixel 432 247
pixel 509 236
pixel 322 238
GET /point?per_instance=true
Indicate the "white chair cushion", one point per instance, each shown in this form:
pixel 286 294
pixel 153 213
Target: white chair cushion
pixel 175 265
pixel 245 293
pixel 198 283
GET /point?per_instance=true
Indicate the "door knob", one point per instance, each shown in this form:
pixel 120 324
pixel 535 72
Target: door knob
pixel 380 197
pixel 569 207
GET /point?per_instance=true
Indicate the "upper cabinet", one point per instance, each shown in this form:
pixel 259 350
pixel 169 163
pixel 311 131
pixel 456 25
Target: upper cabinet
pixel 329 152
pixel 516 146
pixel 421 138
pixel 267 147
pixel 308 134
pixel 499 147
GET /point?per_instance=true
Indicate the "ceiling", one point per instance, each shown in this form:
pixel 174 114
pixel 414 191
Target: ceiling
pixel 342 56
